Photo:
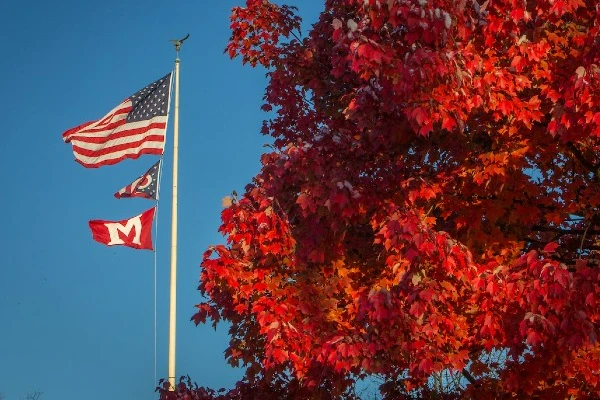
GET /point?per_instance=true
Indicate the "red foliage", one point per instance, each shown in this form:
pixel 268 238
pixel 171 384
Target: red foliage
pixel 432 197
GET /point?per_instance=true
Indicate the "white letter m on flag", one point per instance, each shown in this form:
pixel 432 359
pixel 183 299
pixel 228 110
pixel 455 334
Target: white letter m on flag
pixel 114 228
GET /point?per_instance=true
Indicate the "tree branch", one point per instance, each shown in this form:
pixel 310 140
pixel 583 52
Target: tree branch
pixel 584 161
pixel 539 228
pixel 469 377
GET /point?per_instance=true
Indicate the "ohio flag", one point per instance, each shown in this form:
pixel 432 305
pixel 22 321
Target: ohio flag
pixel 145 186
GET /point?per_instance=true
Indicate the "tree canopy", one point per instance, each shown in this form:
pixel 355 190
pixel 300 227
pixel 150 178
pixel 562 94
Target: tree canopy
pixel 430 200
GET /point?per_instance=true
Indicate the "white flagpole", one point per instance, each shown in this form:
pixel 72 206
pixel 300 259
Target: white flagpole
pixel 173 292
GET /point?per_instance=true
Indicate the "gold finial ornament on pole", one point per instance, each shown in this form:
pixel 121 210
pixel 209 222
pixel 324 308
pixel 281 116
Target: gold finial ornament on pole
pixel 173 292
pixel 178 43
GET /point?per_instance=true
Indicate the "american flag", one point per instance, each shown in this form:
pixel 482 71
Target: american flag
pixel 145 186
pixel 136 126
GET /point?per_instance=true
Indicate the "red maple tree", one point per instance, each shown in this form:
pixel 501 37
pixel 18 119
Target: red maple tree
pixel 431 200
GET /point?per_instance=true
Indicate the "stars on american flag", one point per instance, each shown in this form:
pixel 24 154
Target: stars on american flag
pixel 150 101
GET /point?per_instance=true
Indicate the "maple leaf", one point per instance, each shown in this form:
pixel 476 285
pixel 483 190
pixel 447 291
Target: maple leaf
pixel 533 338
pixel 551 247
pixel 426 365
pixel 417 309
pixel 304 201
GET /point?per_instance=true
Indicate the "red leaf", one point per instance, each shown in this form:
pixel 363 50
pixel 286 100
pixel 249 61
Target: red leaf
pixel 260 286
pixel 590 300
pixel 551 247
pixel 533 338
pixel 417 309
pixel 317 256
pixel 304 201
pixel 426 366
pixel 426 295
pixel 492 287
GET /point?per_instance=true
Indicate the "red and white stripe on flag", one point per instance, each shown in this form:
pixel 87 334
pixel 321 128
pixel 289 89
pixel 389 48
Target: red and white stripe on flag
pixel 134 232
pixel 136 126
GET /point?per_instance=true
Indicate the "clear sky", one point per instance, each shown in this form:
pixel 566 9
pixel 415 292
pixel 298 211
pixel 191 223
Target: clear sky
pixel 77 317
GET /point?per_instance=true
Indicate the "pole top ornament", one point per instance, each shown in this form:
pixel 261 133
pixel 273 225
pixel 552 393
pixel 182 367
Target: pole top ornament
pixel 178 42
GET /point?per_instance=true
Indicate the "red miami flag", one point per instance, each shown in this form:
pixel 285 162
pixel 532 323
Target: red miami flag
pixel 134 232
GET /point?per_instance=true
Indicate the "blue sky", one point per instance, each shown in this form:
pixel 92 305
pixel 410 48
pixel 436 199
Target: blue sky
pixel 77 317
